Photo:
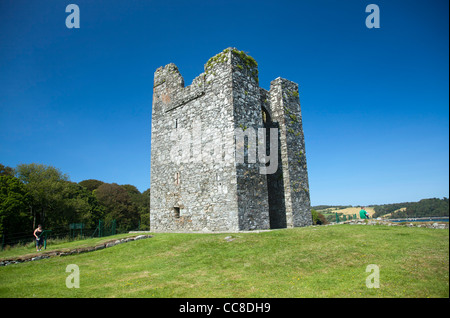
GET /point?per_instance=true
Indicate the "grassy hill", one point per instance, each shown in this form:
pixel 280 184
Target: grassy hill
pixel 324 261
pixel 432 207
pixel 347 211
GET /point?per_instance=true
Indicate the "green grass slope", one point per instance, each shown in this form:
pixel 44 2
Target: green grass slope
pixel 327 261
pixel 57 245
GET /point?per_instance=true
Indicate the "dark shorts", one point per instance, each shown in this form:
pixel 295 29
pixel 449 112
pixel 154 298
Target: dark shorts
pixel 40 241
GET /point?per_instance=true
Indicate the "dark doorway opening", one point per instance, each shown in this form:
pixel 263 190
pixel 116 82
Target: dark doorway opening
pixel 275 183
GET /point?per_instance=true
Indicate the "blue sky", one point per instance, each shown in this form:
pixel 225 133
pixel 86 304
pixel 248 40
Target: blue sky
pixel 375 102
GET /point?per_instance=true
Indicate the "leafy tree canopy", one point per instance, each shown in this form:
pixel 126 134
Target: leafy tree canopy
pixel 91 184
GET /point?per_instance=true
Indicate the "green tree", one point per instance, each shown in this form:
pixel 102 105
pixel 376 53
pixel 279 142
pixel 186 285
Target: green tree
pixel 142 203
pixel 44 183
pixel 75 204
pixel 131 189
pixel 55 201
pixel 318 217
pixel 91 184
pixel 144 210
pixel 15 216
pixel 118 206
pixel 6 171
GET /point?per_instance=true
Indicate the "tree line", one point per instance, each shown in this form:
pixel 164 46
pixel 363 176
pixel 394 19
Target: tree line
pixel 424 208
pixel 32 194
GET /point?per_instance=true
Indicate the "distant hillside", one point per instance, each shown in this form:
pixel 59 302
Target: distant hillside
pixel 423 208
pixel 344 211
pixel 330 207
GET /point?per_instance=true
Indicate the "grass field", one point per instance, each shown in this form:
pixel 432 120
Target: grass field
pixel 324 261
pixel 57 245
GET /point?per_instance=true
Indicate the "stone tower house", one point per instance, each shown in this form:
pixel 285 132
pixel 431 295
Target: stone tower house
pixel 204 176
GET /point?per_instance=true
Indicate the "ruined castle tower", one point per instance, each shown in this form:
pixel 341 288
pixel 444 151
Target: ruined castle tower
pixel 205 175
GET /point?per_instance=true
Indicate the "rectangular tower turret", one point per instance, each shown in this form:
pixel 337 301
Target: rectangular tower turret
pixel 201 133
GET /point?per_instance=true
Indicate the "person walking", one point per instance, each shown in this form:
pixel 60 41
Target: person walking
pixel 39 237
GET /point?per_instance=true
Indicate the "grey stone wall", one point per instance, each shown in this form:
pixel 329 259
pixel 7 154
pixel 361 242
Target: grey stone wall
pixel 286 111
pixel 191 128
pixel 252 198
pixel 196 180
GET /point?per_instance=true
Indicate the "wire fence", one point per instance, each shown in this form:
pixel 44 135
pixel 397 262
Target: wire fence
pixel 75 231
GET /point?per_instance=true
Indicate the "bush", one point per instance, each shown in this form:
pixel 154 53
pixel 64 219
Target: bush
pixel 318 218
